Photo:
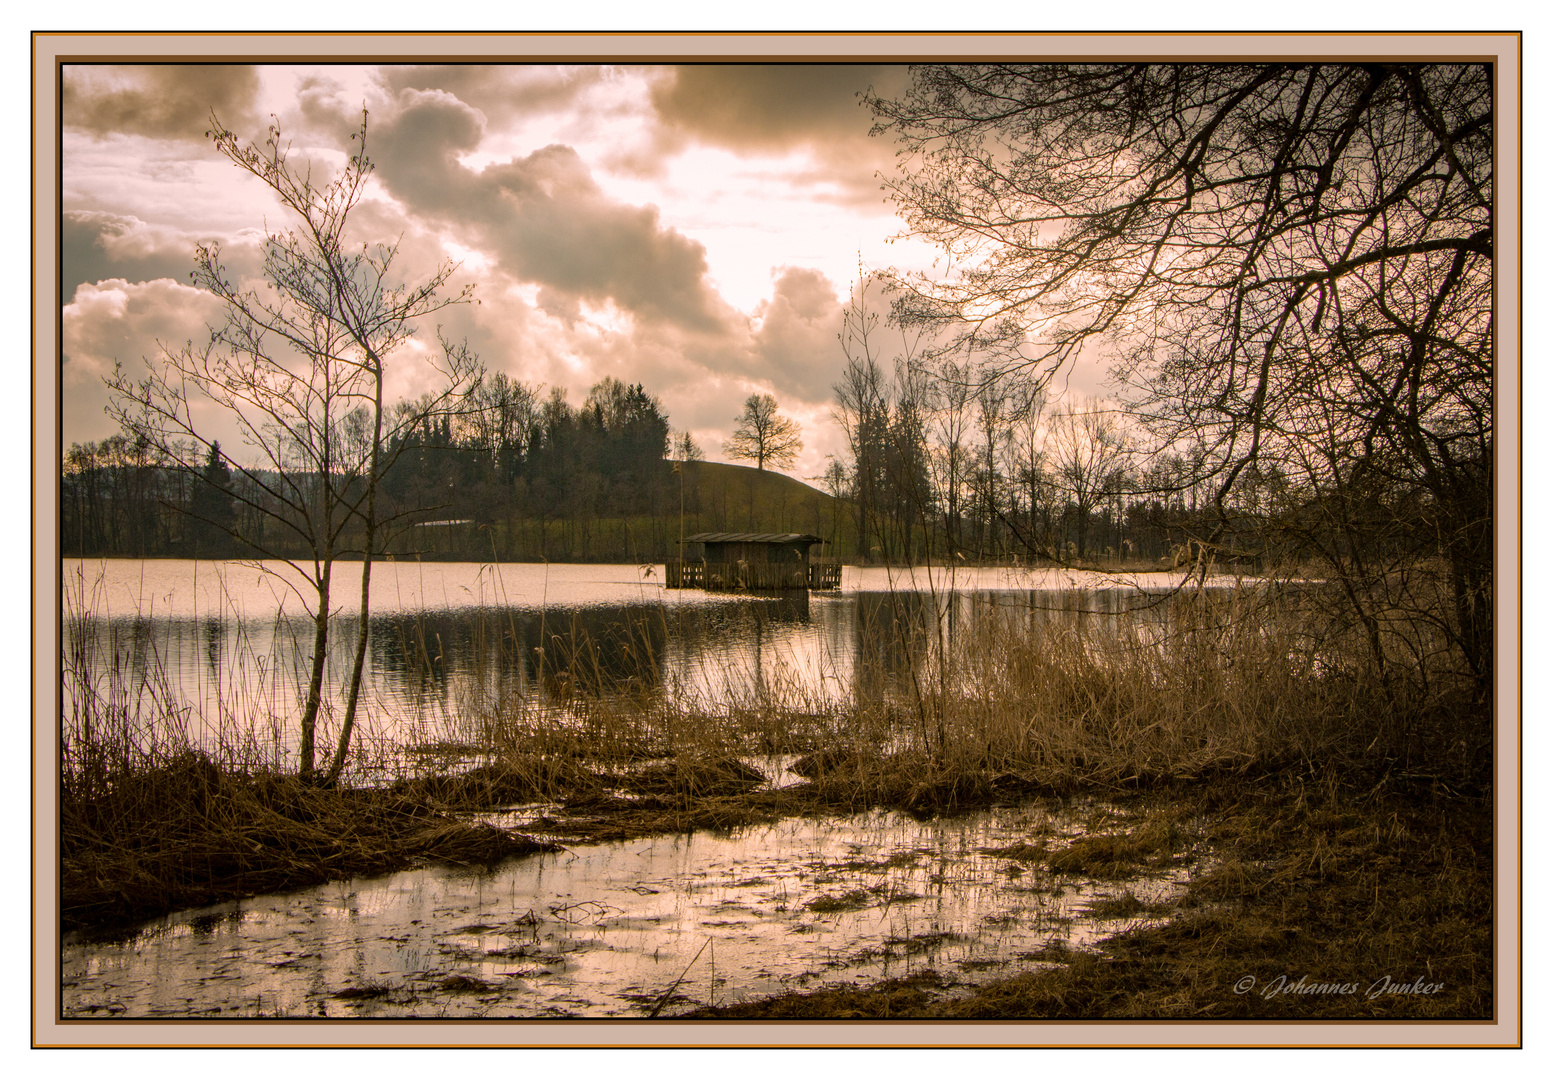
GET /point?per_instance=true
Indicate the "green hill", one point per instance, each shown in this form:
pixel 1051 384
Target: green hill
pixel 717 498
pixel 737 498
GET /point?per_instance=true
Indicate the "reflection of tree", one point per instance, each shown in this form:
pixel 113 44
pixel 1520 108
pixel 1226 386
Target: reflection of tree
pixel 215 638
pixel 890 640
pixel 910 642
pixel 509 652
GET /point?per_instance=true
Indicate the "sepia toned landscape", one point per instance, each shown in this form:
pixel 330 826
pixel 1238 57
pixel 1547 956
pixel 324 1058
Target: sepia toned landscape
pixel 731 542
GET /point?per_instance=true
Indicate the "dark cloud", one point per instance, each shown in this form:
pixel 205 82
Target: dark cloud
pixel 543 217
pixel 549 247
pixel 500 91
pixel 767 106
pixel 97 246
pixel 326 111
pixel 776 108
pixel 162 101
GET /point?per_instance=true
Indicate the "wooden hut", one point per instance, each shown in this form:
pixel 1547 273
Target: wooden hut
pixel 733 562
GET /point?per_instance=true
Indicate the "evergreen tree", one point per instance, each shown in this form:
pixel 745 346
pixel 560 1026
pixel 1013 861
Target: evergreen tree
pixel 212 508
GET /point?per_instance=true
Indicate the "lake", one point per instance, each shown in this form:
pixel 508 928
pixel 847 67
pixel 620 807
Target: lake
pixel 218 653
pixel 221 650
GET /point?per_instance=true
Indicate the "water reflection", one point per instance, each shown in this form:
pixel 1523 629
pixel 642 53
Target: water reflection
pixel 230 652
pixel 616 929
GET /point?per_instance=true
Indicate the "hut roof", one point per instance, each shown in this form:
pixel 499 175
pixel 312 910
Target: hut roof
pixel 753 538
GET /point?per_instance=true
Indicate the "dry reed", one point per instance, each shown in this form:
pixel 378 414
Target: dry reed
pixel 1004 702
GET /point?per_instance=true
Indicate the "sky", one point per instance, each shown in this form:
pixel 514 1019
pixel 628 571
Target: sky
pixel 694 229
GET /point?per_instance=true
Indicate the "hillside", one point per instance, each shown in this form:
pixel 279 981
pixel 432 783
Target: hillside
pixel 717 498
pixel 738 498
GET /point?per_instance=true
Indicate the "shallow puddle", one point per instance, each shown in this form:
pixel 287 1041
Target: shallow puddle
pixel 619 929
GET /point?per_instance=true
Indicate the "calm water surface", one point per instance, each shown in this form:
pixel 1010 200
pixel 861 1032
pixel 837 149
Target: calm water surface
pixel 599 930
pixel 226 647
pixel 610 930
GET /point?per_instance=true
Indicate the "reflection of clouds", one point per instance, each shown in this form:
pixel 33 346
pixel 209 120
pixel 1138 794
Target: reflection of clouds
pixel 584 931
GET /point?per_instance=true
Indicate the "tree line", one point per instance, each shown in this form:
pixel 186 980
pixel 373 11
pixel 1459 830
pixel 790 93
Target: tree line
pixel 499 452
pixel 936 470
pixel 505 470
pixel 945 463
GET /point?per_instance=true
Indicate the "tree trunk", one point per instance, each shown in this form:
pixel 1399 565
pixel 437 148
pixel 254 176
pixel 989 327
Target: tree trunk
pixel 315 682
pixel 365 614
pixel 358 664
pixel 1469 553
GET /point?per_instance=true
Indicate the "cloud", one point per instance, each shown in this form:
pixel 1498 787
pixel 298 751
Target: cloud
pixel 120 321
pixel 795 346
pixel 161 101
pixel 325 110
pixel 542 217
pixel 579 273
pixel 501 92
pixel 96 246
pixel 767 107
pixel 777 109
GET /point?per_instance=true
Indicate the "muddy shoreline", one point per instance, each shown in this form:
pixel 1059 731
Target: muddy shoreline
pixel 190 833
pixel 1337 880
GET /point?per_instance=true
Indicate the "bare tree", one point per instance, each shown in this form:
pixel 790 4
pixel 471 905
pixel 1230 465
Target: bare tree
pixel 862 409
pixel 992 399
pixel 497 418
pixel 1293 261
pixel 298 367
pixel 952 424
pixel 1028 468
pixel 1087 448
pixel 763 434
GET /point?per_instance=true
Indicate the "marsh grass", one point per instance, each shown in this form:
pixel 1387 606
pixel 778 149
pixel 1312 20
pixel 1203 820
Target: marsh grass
pixel 186 832
pixel 985 702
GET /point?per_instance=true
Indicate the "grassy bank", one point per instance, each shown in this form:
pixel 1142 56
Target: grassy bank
pixel 188 832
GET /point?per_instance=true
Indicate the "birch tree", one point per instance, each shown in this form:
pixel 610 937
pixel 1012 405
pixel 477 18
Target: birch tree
pixel 298 367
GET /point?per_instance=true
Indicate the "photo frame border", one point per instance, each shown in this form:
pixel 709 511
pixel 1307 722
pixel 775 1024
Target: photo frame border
pixel 51 50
